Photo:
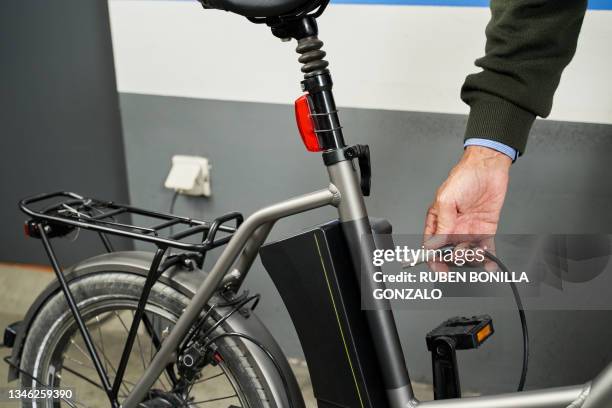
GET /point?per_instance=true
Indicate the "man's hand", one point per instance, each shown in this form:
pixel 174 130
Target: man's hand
pixel 469 202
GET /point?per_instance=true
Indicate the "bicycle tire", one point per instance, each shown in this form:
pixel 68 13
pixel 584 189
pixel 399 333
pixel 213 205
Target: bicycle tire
pixel 94 292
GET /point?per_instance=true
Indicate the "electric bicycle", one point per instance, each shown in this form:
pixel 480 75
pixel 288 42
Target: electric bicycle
pixel 179 327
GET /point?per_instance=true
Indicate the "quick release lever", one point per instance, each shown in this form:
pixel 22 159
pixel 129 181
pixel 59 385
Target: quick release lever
pixel 359 152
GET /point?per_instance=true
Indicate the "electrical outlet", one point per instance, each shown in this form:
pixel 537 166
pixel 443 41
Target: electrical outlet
pixel 189 175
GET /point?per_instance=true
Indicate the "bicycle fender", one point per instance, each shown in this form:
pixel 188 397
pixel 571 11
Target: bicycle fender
pixel 185 282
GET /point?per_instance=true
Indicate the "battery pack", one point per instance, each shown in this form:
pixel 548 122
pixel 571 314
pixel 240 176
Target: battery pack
pixel 315 277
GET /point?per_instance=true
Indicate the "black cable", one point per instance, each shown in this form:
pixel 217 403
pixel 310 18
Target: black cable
pixel 196 329
pixel 173 201
pixel 171 209
pixel 239 304
pixel 236 308
pixel 266 352
pixel 521 311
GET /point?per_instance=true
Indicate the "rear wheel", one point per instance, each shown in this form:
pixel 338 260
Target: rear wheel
pixel 55 354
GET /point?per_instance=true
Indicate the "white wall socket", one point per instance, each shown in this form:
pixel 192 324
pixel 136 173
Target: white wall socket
pixel 189 175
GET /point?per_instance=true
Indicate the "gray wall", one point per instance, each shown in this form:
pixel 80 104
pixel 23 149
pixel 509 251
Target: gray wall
pixel 561 185
pixel 60 127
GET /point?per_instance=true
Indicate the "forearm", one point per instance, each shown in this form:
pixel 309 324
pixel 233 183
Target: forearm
pixel 529 43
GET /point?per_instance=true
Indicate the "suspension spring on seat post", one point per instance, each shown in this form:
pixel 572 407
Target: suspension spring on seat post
pixel 311 55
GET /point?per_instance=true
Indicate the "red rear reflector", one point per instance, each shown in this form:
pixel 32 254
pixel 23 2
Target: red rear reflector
pixel 306 124
pixel 26 229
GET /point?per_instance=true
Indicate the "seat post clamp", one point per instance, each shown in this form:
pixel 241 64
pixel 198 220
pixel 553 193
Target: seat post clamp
pixel 359 152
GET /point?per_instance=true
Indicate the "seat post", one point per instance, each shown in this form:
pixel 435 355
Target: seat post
pixel 317 78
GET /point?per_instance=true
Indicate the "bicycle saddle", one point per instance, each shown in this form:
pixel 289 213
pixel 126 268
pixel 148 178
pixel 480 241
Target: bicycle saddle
pixel 260 8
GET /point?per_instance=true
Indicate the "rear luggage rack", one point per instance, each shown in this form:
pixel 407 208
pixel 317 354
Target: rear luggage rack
pixel 61 212
pixel 58 214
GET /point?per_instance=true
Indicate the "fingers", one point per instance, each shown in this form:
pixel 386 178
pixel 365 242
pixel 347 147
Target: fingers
pixel 439 224
pixel 430 224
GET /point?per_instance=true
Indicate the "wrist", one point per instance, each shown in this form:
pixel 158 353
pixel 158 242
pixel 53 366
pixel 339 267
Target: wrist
pixel 486 156
pixel 509 151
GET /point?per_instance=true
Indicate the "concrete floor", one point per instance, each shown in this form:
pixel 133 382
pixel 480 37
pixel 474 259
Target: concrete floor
pixel 19 285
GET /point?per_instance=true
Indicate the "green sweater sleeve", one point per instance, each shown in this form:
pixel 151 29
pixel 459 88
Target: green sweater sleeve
pixel 529 43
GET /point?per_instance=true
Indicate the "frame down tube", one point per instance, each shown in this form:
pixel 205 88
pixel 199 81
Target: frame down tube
pixel 166 353
pixel 358 234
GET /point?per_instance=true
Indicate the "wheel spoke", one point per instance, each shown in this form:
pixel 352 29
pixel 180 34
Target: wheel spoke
pixel 75 344
pixel 139 345
pixel 209 378
pixel 149 325
pixel 114 370
pixel 87 379
pixel 74 360
pixel 82 377
pixel 127 331
pixel 214 399
pixel 78 403
pixel 169 386
pixel 127 390
pixel 144 365
pixel 101 342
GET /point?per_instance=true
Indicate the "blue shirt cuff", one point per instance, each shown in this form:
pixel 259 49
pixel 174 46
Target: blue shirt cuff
pixel 492 144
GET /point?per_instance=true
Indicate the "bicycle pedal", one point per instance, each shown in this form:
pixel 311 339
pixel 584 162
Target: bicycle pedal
pixel 466 332
pixel 457 333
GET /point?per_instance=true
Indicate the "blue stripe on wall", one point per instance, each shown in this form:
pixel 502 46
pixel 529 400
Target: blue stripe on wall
pixel 593 4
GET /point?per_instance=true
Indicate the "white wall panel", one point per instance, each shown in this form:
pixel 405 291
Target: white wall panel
pixel 411 58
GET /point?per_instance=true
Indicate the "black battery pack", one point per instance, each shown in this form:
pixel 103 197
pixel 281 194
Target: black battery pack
pixel 315 276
